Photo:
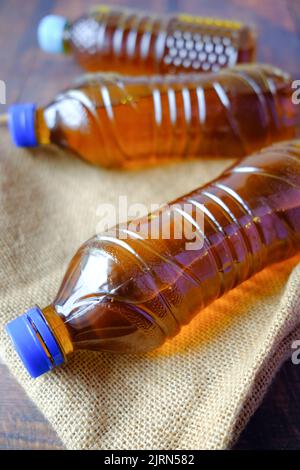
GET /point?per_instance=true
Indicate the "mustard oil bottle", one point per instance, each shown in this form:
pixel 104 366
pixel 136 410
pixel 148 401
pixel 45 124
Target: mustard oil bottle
pixel 121 121
pixel 128 291
pixel 133 42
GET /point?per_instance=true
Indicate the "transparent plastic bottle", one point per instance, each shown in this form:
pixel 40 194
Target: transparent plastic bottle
pixel 119 121
pixel 127 292
pixel 129 41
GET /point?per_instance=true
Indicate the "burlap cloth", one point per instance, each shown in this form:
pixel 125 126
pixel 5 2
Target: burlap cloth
pixel 197 391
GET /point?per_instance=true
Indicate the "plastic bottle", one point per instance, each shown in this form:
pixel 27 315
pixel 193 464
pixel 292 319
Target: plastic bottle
pixel 133 42
pixel 128 291
pixel 117 121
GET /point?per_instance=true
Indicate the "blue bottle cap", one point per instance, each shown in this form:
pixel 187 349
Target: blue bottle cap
pixel 34 342
pixel 21 123
pixel 50 33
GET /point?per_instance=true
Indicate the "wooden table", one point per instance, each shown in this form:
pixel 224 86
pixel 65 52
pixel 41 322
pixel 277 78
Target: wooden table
pixel 32 75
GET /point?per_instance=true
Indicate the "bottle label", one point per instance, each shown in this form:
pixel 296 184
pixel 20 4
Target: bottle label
pixel 185 18
pixel 100 9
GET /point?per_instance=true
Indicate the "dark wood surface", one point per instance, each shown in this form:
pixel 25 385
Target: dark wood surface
pixel 22 425
pixel 32 75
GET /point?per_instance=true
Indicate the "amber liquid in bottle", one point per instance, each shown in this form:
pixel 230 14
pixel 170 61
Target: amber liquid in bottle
pixel 117 121
pixel 132 42
pixel 126 292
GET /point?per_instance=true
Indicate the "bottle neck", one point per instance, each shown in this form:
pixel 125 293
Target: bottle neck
pixel 59 330
pixel 66 39
pixel 41 129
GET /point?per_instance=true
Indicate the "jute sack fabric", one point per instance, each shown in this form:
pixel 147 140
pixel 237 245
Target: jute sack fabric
pixel 198 390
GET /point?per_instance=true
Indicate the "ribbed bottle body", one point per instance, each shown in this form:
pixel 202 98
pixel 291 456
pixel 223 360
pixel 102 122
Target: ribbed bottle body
pixel 133 42
pixel 121 121
pixel 127 290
